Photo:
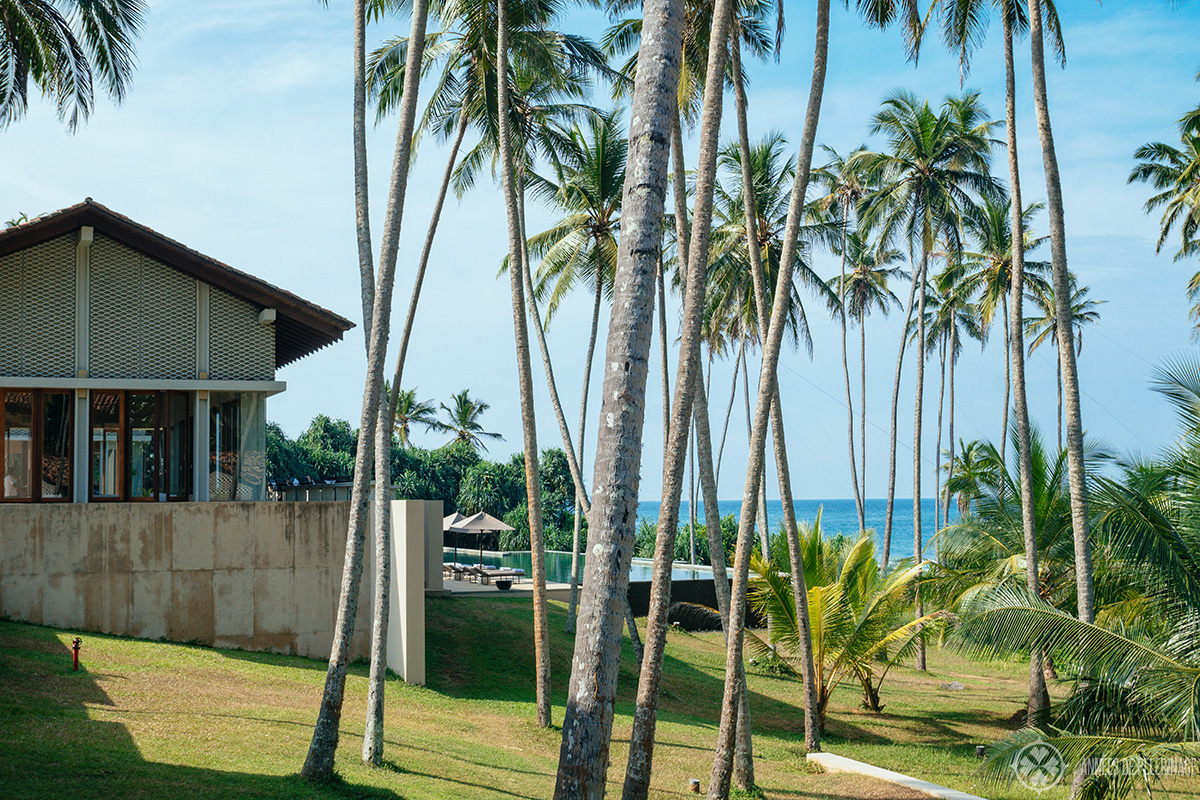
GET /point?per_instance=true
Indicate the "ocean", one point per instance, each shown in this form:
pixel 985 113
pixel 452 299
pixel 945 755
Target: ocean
pixel 837 516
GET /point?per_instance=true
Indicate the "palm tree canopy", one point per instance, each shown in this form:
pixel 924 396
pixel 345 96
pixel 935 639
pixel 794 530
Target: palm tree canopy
pixel 410 411
pixel 65 52
pixel 1044 326
pixel 936 164
pixel 463 420
pixel 732 314
pixel 581 248
pixel 988 267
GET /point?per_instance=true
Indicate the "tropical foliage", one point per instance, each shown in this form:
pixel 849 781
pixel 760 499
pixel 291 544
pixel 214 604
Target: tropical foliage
pixel 861 624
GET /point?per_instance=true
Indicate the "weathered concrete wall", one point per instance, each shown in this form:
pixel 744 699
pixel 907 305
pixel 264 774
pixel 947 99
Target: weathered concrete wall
pixel 259 576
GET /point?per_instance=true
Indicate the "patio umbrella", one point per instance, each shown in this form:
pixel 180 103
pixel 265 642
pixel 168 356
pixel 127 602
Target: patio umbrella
pixel 480 524
pixel 453 524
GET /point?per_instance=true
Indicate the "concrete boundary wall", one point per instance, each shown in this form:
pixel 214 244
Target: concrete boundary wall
pixel 256 576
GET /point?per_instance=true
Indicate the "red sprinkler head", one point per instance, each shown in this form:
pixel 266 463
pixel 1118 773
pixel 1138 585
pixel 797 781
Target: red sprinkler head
pixel 75 645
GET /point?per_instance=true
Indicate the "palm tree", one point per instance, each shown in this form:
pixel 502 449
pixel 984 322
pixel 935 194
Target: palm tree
pixel 936 161
pixel 65 48
pixel 374 433
pixel 863 290
pixel 689 376
pixel 846 185
pixel 855 608
pixel 1175 175
pixel 1062 295
pixel 1044 328
pixel 410 411
pixel 767 398
pixel 990 273
pixel 587 720
pixel 965 24
pixel 953 317
pixel 582 249
pixel 1137 703
pixel 462 419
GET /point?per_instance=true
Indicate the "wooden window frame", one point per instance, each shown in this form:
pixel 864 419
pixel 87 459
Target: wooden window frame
pixel 36 449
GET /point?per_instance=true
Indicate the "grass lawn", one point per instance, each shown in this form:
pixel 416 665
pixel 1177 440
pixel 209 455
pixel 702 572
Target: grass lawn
pixel 153 720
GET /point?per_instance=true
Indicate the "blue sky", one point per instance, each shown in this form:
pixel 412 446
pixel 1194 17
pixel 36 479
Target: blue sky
pixel 236 141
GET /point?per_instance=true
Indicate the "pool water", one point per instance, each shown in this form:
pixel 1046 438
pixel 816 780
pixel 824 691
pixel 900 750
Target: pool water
pixel 558 565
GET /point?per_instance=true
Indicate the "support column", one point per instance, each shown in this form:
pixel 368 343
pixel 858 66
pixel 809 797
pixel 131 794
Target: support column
pixel 411 521
pixel 80 459
pixel 200 449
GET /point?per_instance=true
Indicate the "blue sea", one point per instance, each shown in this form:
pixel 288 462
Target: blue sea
pixel 837 516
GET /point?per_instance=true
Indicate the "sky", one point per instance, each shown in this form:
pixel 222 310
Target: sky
pixel 236 140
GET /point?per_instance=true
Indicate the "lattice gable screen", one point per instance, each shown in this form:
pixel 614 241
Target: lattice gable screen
pixel 240 349
pixel 37 310
pixel 142 316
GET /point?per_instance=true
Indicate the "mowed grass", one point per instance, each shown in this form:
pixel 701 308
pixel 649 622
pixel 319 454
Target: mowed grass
pixel 153 720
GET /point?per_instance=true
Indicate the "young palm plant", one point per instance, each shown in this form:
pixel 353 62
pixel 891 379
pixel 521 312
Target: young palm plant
pixel 858 614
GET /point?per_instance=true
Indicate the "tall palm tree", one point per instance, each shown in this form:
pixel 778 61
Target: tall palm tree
pixel 767 398
pixel 1039 18
pixel 965 24
pixel 65 48
pixel 374 434
pixel 581 249
pixel 689 376
pixel 410 411
pixel 507 143
pixel 587 720
pixel 1044 327
pixel 861 291
pixel 990 274
pixel 462 419
pixel 953 318
pixel 1175 174
pixel 845 183
pixel 936 162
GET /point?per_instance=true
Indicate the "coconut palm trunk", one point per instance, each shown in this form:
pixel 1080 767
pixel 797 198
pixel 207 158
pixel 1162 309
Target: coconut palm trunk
pixel 587 721
pixel 362 216
pixel 576 535
pixel 318 764
pixel 761 505
pixel 734 681
pixel 743 755
pixel 862 402
pixel 689 376
pixel 1007 367
pixel 1080 524
pixel 937 450
pixel 891 494
pixel 729 409
pixel 517 270
pixel 663 354
pixel 950 422
pixel 918 555
pixel 1038 705
pixel 800 591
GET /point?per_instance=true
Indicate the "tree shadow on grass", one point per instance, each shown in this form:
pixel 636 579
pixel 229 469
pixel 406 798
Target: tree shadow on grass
pixel 54 748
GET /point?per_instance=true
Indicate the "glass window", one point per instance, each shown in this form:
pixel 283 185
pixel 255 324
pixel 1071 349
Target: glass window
pixel 107 464
pixel 57 417
pixel 142 412
pixel 237 439
pixel 17 428
pixel 178 435
pixel 224 445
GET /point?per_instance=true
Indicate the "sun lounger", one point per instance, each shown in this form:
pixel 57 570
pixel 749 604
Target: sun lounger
pixel 502 577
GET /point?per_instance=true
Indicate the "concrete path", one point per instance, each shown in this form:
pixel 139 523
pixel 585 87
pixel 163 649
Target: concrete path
pixel 831 763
